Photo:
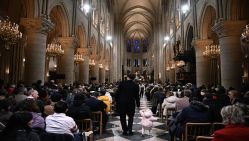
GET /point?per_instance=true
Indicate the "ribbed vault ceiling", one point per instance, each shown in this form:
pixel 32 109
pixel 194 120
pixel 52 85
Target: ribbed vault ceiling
pixel 137 16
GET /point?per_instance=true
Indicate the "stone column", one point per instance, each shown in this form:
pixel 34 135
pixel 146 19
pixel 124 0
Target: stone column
pixel 172 76
pixel 95 73
pixel 84 72
pixel 229 33
pixel 107 75
pixel 36 30
pixel 202 63
pixel 66 61
pixel 84 66
pixel 102 75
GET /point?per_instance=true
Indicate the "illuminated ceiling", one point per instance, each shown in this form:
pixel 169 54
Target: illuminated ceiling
pixel 137 16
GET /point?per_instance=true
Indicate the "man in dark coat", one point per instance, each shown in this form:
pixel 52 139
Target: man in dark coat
pixel 127 96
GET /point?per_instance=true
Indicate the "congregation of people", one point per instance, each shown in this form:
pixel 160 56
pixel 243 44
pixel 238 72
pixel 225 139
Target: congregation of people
pixel 28 112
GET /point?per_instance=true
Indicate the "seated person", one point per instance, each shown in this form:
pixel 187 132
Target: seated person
pixel 235 130
pixel 19 128
pixel 97 105
pixel 195 112
pixel 105 99
pixel 169 102
pixel 30 105
pixel 79 110
pixel 5 112
pixel 183 101
pixel 59 123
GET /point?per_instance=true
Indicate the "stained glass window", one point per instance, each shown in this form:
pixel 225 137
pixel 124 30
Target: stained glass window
pixel 129 46
pixel 136 46
pixel 145 45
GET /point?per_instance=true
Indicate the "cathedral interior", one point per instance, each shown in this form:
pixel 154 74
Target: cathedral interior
pixel 202 42
pixel 195 41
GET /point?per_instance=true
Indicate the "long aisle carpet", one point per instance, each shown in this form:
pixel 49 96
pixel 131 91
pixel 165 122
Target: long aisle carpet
pixel 114 130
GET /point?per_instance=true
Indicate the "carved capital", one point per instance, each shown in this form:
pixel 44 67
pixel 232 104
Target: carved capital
pixel 40 24
pixel 201 42
pixel 68 41
pixel 84 51
pixel 228 28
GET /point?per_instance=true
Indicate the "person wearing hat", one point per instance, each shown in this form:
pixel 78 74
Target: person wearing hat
pixel 127 98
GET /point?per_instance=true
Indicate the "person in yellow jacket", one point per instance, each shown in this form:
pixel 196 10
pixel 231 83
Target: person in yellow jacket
pixel 105 99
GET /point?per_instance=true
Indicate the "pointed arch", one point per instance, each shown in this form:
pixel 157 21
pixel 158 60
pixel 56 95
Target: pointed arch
pixel 94 46
pixel 81 34
pixel 207 22
pixel 59 15
pixel 189 36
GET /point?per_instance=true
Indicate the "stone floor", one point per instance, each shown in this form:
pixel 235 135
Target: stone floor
pixel 114 131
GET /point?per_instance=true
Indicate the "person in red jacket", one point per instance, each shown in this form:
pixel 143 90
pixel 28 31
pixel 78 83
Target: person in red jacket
pixel 235 130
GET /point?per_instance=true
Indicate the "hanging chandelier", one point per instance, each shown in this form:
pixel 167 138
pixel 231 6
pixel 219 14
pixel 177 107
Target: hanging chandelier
pixel 212 51
pixel 91 62
pixel 101 66
pixel 78 58
pixel 245 34
pixel 168 68
pixel 9 32
pixel 180 63
pixel 54 49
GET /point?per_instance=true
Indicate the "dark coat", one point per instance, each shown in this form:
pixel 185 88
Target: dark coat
pixel 195 112
pixel 95 104
pixel 20 135
pixel 127 96
pixel 81 111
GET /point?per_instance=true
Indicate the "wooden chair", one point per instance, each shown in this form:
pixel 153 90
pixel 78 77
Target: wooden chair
pixel 204 138
pixel 169 112
pixel 217 126
pixel 2 126
pixel 192 130
pixel 97 119
pixel 112 110
pixel 85 125
pixel 246 117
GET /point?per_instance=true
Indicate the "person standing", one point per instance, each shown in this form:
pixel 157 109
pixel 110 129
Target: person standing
pixel 127 98
pixel 141 90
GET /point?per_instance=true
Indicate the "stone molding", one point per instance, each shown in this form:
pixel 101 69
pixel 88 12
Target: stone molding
pixel 228 28
pixel 40 24
pixel 201 42
pixel 84 51
pixel 68 41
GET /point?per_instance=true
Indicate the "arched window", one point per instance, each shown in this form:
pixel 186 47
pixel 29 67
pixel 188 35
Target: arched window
pixel 145 45
pixel 129 46
pixel 136 46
